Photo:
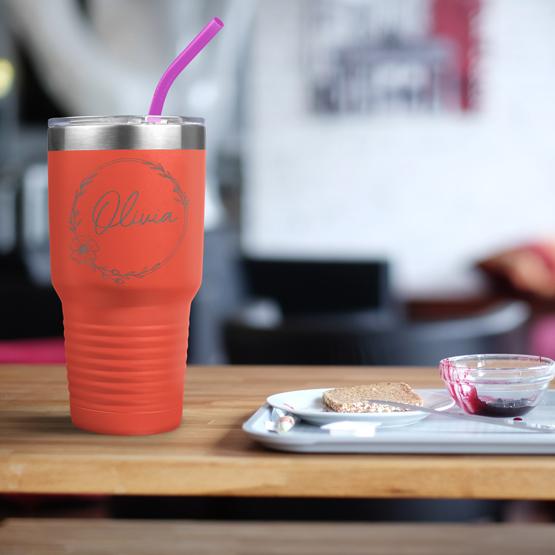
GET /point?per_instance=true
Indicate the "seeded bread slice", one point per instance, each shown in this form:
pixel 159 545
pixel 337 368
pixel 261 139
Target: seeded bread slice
pixel 359 398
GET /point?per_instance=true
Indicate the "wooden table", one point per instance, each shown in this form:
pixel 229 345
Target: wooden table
pixel 104 537
pixel 40 451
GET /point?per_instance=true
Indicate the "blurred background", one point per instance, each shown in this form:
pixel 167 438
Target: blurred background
pixel 380 175
pixel 379 171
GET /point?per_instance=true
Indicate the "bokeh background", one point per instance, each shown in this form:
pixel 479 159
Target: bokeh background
pixel 390 159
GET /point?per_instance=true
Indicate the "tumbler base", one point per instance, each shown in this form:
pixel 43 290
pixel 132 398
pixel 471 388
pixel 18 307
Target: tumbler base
pixel 130 424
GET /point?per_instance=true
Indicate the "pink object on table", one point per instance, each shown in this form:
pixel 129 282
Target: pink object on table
pixel 180 63
pixel 33 351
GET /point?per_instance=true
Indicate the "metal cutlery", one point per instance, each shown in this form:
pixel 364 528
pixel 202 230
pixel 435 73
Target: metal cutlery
pixel 514 424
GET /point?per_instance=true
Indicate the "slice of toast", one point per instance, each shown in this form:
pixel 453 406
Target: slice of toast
pixel 359 397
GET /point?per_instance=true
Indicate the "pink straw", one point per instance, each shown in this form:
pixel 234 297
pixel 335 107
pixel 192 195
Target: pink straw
pixel 180 63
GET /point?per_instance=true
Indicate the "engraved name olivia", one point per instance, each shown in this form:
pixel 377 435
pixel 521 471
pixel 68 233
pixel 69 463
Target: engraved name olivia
pixel 110 212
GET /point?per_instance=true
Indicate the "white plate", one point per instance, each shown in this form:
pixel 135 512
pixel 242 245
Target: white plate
pixel 308 405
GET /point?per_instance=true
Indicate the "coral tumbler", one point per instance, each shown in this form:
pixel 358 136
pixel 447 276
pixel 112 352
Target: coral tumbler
pixel 126 203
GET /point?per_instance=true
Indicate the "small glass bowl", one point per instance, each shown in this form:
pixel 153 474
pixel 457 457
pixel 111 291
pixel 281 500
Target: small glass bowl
pixel 497 385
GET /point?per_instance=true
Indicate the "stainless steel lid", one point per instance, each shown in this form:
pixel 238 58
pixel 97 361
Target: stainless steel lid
pixel 126 133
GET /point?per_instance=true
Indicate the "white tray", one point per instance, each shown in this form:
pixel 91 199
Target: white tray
pixel 435 434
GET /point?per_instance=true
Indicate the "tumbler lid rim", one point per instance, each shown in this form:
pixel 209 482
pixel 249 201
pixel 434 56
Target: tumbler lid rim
pixel 124 120
pixel 126 133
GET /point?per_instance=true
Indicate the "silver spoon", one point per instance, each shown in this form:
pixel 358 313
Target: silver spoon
pixel 518 424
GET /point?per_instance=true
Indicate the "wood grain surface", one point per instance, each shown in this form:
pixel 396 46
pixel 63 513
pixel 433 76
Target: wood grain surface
pixel 41 452
pixel 105 537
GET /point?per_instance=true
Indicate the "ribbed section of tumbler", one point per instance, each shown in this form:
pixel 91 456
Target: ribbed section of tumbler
pixel 131 374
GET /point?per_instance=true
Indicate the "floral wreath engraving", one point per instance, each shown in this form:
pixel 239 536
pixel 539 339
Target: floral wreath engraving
pixel 84 249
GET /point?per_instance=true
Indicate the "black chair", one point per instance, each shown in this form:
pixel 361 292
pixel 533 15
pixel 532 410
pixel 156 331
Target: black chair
pixel 321 286
pixel 260 334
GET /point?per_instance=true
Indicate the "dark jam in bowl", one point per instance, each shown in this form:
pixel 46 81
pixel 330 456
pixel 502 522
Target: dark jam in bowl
pixel 501 408
pixel 504 386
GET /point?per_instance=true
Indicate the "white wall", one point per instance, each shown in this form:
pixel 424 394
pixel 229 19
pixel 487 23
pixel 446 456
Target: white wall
pixel 432 194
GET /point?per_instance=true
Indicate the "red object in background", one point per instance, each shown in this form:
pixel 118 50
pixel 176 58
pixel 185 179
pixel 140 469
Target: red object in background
pixel 542 336
pixel 454 20
pixel 33 351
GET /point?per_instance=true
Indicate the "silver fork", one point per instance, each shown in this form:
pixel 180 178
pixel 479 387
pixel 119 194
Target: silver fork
pixel 514 424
